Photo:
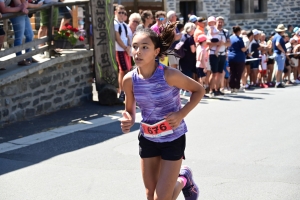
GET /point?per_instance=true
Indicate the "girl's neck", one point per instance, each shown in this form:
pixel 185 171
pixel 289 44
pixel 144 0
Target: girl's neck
pixel 147 71
pixel 146 25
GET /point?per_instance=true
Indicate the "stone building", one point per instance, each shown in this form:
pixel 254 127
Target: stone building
pixel 249 14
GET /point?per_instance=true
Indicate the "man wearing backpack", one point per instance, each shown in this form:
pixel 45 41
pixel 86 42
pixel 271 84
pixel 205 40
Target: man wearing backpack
pixel 122 47
pixel 217 62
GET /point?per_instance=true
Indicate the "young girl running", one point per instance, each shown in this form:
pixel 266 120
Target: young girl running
pixel 155 88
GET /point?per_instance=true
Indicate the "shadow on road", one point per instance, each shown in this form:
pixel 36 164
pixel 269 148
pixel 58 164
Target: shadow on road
pixel 87 111
pixel 39 152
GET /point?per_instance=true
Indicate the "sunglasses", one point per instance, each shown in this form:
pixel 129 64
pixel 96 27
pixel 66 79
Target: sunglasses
pixel 121 13
pixel 161 19
pixel 137 22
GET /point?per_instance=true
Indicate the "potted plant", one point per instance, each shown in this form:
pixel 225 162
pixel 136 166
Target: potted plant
pixel 67 37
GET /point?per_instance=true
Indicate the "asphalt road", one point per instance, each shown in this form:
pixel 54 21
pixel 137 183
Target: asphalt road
pixel 240 147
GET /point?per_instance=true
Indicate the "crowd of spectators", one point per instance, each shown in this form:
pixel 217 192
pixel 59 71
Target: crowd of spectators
pixel 222 60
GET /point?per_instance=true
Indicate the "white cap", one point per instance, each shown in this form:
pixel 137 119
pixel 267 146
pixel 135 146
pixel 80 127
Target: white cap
pixel 256 32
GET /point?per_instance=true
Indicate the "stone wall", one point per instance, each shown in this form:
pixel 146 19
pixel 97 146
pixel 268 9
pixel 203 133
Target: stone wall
pixel 274 13
pixel 51 88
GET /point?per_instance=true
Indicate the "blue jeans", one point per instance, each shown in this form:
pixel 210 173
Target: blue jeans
pixel 280 60
pixel 22 27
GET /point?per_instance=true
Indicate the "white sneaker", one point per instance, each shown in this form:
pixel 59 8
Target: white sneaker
pixel 241 90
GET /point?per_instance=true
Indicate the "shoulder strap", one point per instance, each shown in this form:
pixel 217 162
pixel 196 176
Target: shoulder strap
pixel 120 28
pixel 125 27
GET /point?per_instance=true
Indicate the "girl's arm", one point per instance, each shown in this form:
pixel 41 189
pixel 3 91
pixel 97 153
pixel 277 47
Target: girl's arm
pixel 129 114
pixel 202 60
pixel 177 79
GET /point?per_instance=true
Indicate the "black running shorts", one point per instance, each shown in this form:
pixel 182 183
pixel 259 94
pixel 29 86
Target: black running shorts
pixel 173 150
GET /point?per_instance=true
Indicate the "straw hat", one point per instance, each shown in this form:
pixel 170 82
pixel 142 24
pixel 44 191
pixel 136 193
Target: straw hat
pixel 280 28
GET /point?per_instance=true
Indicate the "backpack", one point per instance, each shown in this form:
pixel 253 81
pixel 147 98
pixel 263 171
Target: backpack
pixel 179 50
pixel 120 28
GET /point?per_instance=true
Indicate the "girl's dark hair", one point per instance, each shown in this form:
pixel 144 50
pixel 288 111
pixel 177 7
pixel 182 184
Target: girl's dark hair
pixel 145 14
pixel 249 34
pixel 180 26
pixel 163 40
pixel 236 29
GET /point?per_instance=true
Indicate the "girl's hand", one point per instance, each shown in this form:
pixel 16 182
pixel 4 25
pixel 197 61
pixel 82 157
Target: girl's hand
pixel 174 119
pixel 205 70
pixel 126 122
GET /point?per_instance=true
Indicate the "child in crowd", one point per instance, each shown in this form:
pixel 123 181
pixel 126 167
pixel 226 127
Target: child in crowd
pixel 263 71
pixel 213 33
pixel 155 88
pixel 202 59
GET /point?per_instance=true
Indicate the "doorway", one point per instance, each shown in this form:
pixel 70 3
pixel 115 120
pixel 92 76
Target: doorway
pixel 187 8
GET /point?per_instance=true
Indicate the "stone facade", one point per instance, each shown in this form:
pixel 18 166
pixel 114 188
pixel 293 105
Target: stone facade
pixel 58 86
pixel 273 13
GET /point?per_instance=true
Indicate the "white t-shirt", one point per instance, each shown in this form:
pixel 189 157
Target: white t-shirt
pixel 246 41
pixel 130 36
pixel 123 35
pixel 264 62
pixel 222 37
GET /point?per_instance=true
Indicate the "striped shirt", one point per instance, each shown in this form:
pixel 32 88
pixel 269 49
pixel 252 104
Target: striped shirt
pixel 156 100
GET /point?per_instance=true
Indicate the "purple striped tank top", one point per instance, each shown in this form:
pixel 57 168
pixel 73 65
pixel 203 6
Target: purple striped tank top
pixel 156 99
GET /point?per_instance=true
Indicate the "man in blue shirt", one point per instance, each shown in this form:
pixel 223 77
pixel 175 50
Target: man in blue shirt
pixel 280 51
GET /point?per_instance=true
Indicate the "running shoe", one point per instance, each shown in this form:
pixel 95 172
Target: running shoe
pixel 220 92
pixel 242 90
pixel 280 85
pixel 297 81
pixel 122 96
pixel 190 190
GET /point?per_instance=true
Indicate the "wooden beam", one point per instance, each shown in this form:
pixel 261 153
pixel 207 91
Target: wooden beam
pixel 22 57
pixel 75 16
pixel 23 46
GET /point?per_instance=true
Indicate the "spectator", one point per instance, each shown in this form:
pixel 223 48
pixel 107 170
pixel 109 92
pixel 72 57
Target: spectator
pixel 147 19
pixel 134 21
pixel 201 24
pixel 295 58
pixel 217 62
pixel 271 61
pixel 236 59
pixel 160 17
pixel 290 30
pixel 21 24
pixel 173 60
pixel 279 53
pixel 201 59
pixel 213 33
pixel 44 19
pixel 247 41
pixel 254 65
pixel 123 48
pixel 188 62
pixel 125 17
pixel 66 13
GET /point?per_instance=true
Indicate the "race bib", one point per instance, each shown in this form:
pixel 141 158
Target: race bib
pixel 159 129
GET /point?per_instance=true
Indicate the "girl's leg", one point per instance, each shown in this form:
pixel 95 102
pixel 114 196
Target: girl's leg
pixel 168 175
pixel 150 172
pixel 270 68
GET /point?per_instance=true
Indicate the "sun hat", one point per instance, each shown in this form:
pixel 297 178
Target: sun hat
pixel 280 28
pixel 296 29
pixel 193 18
pixel 201 38
pixel 256 32
pixel 201 19
pixel 211 19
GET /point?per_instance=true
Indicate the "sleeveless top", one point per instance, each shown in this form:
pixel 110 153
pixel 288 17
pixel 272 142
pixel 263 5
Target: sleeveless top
pixel 156 100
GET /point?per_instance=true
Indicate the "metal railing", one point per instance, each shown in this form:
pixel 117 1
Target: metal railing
pixel 47 39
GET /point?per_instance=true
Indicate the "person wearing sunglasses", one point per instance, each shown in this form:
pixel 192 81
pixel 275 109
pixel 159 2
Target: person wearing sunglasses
pixel 123 48
pixel 160 17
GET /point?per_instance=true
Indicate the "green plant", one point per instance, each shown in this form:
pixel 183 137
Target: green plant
pixel 68 32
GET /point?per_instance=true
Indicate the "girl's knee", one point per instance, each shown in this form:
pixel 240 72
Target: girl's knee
pixel 150 194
